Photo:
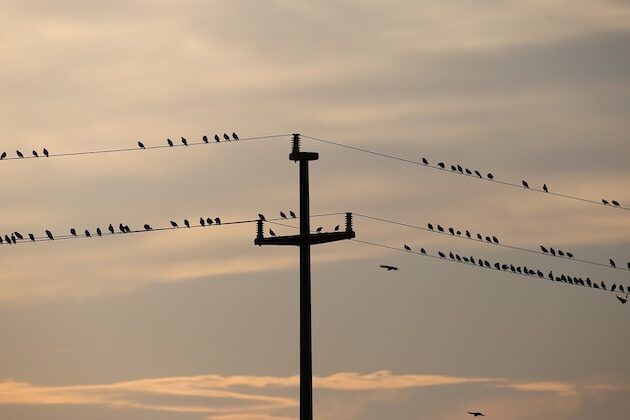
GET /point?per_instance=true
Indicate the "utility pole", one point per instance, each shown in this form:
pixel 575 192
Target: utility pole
pixel 304 240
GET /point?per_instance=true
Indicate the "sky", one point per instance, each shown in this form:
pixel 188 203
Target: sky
pixel 200 324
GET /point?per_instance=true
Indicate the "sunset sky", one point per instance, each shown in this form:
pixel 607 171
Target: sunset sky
pixel 200 324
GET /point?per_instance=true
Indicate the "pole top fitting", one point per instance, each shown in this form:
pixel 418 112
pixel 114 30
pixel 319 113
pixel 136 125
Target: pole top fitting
pixel 297 155
pixel 348 222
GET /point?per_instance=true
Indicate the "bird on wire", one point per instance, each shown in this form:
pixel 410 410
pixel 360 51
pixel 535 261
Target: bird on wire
pixel 187 223
pixel 141 145
pixel 545 189
pixel 20 155
pixel 202 222
pixel 31 237
pixel 184 142
pixel 111 228
pixel 225 136
pixel 50 235
pixel 262 217
pixel 234 136
pixel 389 267
pixel 272 233
pixel 337 228
pixel 35 154
pixel 169 142
pixel 45 151
pixel 99 232
pixel 525 184
pixel 407 247
pixel 283 215
pixel 73 232
pixel 319 229
pixel 216 138
pixel 3 155
pixel 292 214
pixel 205 139
pixel 174 224
pixel 147 227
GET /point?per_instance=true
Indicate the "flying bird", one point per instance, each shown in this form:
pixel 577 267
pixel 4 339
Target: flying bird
pixel 545 189
pixel 388 267
pixel 292 214
pixel 147 227
pixel 216 138
pixel 19 153
pixel 50 235
pixel 35 154
pixel 184 142
pixel 407 247
pixel 205 139
pixel 45 151
pixel 140 145
pixel 170 142
pixel 476 413
pixel 525 184
pixel 234 136
pixel 174 224
pixel 425 161
pixel 225 136
pixel 187 223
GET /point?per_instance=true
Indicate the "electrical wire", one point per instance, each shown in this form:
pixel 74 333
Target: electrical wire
pixel 496 181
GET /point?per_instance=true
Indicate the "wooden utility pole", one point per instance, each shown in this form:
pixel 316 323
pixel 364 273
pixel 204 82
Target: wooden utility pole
pixel 304 240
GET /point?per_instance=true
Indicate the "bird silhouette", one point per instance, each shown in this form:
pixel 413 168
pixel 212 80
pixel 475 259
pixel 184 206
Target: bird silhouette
pixel 209 221
pixel 479 237
pixel 605 202
pixel 441 254
pixel 430 226
pixel 613 288
pixel 99 232
pixel 621 288
pixel 570 255
pixel 18 235
pixel 495 240
pixel 407 247
pixel 184 142
pixel 490 176
pixel 272 233
pixel 440 228
pixel 425 161
pixel 87 233
pixel 451 231
pixel 337 228
pixel 216 138
pixel 225 136
pixel 441 165
pixel 19 153
pixel 50 235
pixel 35 154
pixel 423 251
pixel 217 220
pixel 262 217
pixel 3 155
pixel 319 229
pixel 45 151
pixel 187 223
pixel 234 136
pixel 476 413
pixel 525 184
pixel 453 168
pixel 170 142
pixel 615 203
pixel 205 139
pixel 612 263
pixel 147 227
pixel 552 252
pixel 388 267
pixel 292 214
pixel 202 222
pixel 140 145
pixel 622 299
pixel 561 253
pixel 31 237
pixel 174 224
pixel 468 171
pixel 460 169
pixel 478 174
pixel 468 234
pixel 121 228
pixel 488 239
pixel 7 239
pixel 111 228
pixel 284 216
pixel 544 249
pixel 545 189
pixel 73 232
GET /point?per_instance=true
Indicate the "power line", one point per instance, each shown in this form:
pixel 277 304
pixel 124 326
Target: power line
pixel 472 176
pixel 532 251
pixel 148 147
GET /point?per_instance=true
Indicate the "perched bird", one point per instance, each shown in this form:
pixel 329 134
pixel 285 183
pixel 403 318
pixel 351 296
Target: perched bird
pixel 561 253
pixel 319 229
pixel 126 229
pixel 174 224
pixel 407 247
pixel 18 235
pixel 205 139
pixel 225 136
pixel 478 174
pixel 552 252
pixel 440 228
pixel 111 228
pixel 612 263
pixel 170 142
pixel 605 202
pixel 479 237
pixel 31 237
pixel 453 168
pixel 544 249
pixel 261 217
pixel 217 220
pixel 451 231
pixel 388 267
pixel 50 235
pixel 476 413
pixel 430 226
pixel 99 232
pixel 441 165
pixel 468 171
pixel 73 232
pixel 337 228
pixel 19 153
pixel 488 239
pixel 525 184
pixel 613 288
pixel 140 145
pixel 187 223
pixel 209 221
pixel 6 238
pixel 292 214
pixel 490 176
pixel 425 161
pixel 284 216
pixel 495 240
pixel 570 255
pixel 216 138
pixel 272 233
pixel 622 299
pixel 459 233
pixel 45 151
pixel 422 251
pixel 35 154
pixel 468 234
pixel 441 254
pixel 460 169
pixel 451 256
pixel 615 203
pixel 545 189
pixel 202 222
pixel 87 233
pixel 3 155
pixel 147 227
pixel 234 136
pixel 184 142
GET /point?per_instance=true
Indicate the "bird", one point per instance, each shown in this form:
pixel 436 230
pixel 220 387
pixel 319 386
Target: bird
pixel 552 252
pixel 292 214
pixel 545 189
pixel 45 151
pixel 205 139
pixel 407 247
pixel 388 267
pixel 187 223
pixel 460 169
pixel 451 231
pixel 35 154
pixel 337 228
pixel 170 142
pixel 261 217
pixel 50 235
pixel 283 215
pixel 140 145
pixel 430 226
pixel 111 228
pixel 174 224
pixel 488 239
pixel 479 237
pixel 126 229
pixel 147 227
pixel 615 203
pixel 99 232
pixel 19 153
pixel 225 136
pixel 3 155
pixel 73 232
pixel 422 251
pixel 622 299
pixel 561 253
pixel 468 234
pixel 216 138
pixel 441 165
pixel 440 228
pixel 453 168
pixel 31 237
pixel 478 174
pixel 468 171
pixel 490 176
pixel 441 254
pixel 605 202
pixel 234 136
pixel 184 142
pixel 621 288
pixel 319 229
pixel 272 233
pixel 18 235
pixel 425 161
pixel 570 255
pixel 87 233
pixel 475 413
pixel 612 263
pixel 495 240
pixel 217 220
pixel 209 221
pixel 613 288
pixel 543 249
pixel 202 222
pixel 525 184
